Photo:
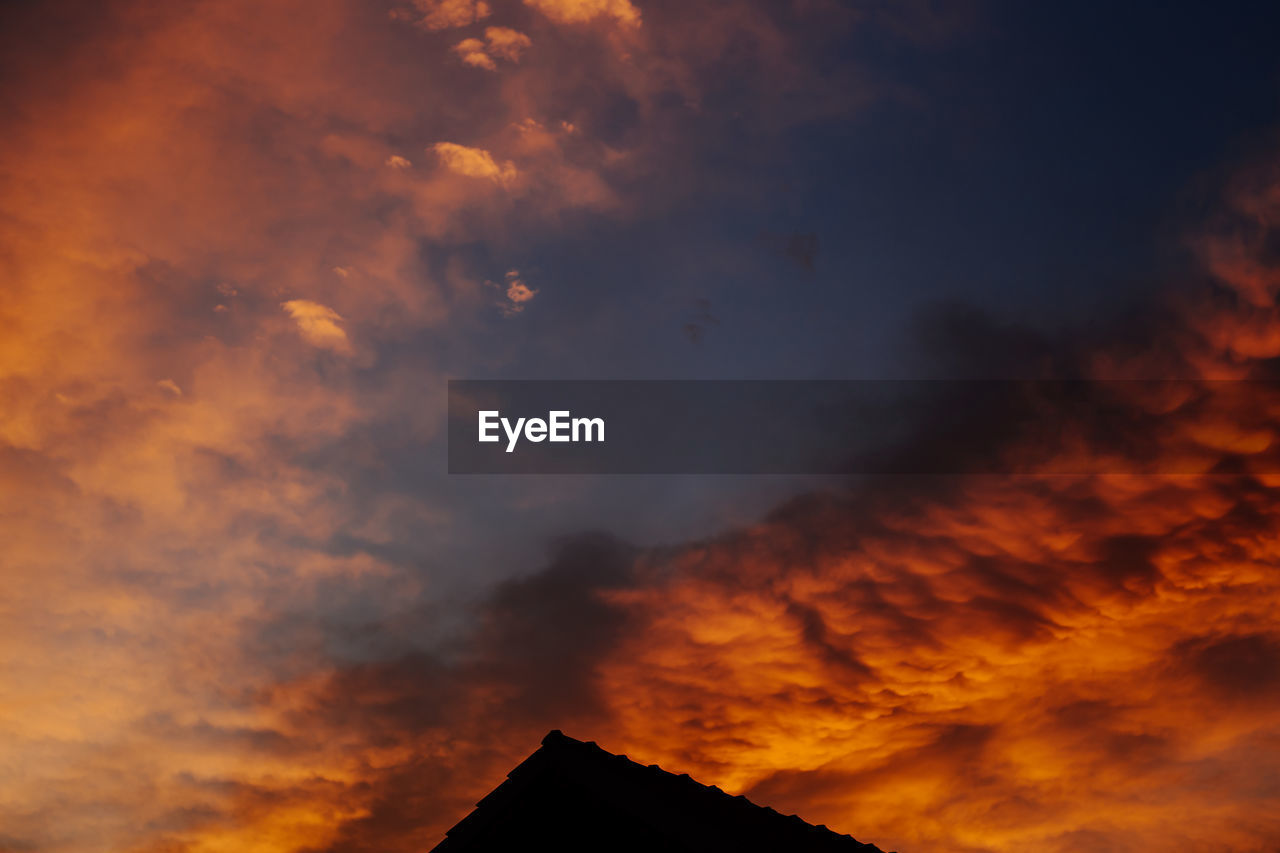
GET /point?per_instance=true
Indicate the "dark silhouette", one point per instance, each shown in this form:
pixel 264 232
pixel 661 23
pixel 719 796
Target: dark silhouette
pixel 573 796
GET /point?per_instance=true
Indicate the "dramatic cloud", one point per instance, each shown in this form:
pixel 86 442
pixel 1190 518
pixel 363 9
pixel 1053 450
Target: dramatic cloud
pixel 210 522
pixel 226 621
pixel 955 664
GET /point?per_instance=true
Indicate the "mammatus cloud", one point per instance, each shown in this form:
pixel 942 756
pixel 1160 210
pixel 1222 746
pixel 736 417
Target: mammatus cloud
pixel 212 641
pixel 474 162
pixel 981 664
pixel 318 324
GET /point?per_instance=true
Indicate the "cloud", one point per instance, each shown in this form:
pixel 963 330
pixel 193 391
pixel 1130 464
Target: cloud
pixel 474 162
pixel 584 11
pixel 507 43
pixel 318 324
pixel 183 581
pixel 993 664
pixel 224 624
pixel 472 52
pixel 516 294
pixel 519 293
pixel 444 14
pixel 499 42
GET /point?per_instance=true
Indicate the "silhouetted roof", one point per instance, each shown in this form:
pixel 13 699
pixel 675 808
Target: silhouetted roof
pixel 574 796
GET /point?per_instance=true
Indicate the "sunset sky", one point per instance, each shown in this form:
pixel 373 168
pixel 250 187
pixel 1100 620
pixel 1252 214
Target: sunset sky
pixel 244 245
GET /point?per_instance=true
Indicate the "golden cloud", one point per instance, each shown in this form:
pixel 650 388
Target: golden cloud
pixel 474 162
pixel 472 52
pixel 499 42
pixel 444 14
pixel 318 324
pixel 584 11
pixel 507 43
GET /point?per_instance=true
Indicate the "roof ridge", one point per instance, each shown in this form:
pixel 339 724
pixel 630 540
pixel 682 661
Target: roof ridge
pixel 563 757
pixel 556 739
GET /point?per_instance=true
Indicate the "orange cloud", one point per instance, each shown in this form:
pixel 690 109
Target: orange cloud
pixel 583 11
pixel 444 14
pixel 474 162
pixel 180 535
pixel 507 43
pixel 212 642
pixel 999 664
pixel 318 324
pixel 499 42
pixel 472 52
pixel 517 293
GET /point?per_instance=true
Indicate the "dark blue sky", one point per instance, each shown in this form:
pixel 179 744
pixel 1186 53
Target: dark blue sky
pixel 1037 161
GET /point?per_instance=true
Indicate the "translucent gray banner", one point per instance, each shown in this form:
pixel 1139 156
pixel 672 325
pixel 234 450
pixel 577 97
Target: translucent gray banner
pixel 862 427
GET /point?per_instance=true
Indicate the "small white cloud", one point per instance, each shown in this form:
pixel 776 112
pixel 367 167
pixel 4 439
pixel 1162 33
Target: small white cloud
pixel 395 161
pixel 318 324
pixel 474 162
pixel 169 386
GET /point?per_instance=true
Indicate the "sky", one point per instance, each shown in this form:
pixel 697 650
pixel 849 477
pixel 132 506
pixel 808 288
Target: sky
pixel 244 245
